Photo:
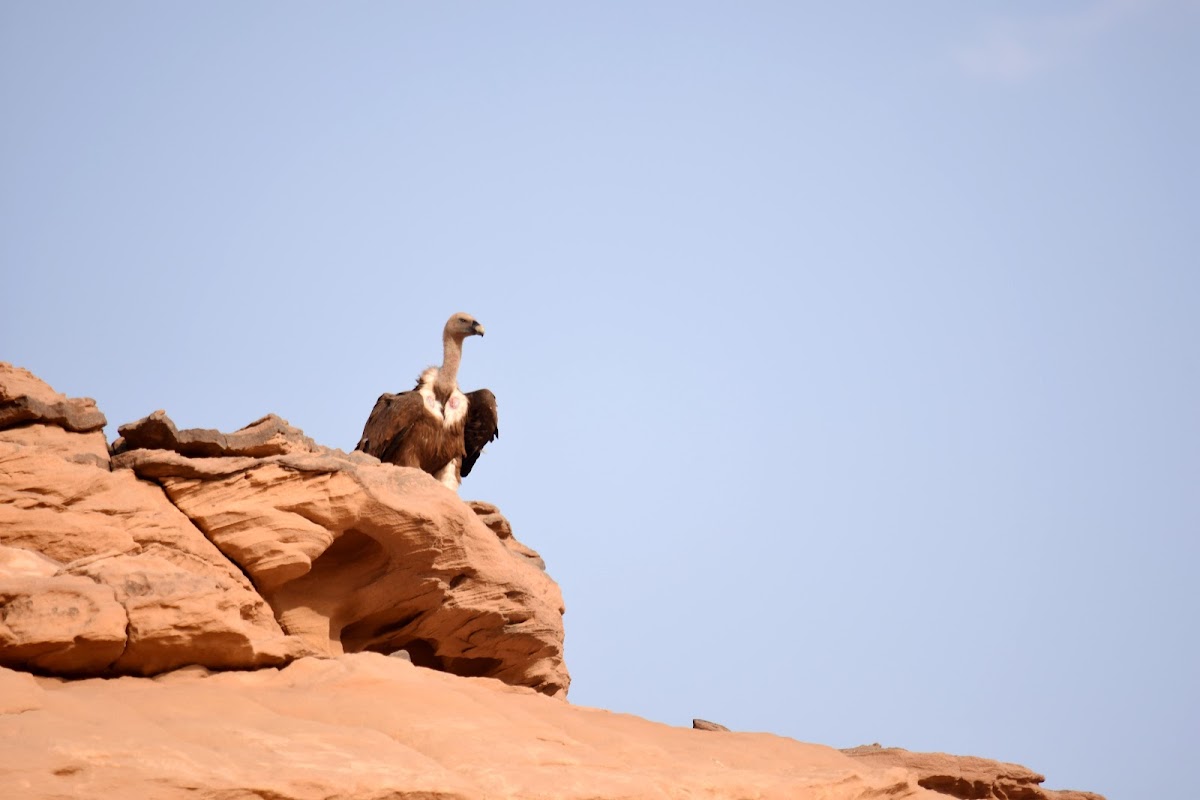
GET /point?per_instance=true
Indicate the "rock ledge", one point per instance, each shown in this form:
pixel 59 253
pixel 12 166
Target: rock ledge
pixel 248 549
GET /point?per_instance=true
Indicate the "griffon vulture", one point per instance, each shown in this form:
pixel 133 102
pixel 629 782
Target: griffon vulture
pixel 435 427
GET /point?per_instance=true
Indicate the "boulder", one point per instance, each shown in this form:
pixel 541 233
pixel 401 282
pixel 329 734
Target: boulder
pixel 705 725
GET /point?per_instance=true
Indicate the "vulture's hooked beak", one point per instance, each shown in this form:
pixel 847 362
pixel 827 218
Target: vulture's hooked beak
pixel 478 328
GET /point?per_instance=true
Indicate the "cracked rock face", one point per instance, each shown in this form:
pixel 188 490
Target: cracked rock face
pixel 248 549
pixel 100 573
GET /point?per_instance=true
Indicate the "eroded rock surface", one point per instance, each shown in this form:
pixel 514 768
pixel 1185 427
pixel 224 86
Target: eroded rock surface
pixel 166 555
pixel 498 524
pixel 247 549
pixel 101 574
pixel 26 398
pixel 365 727
pixel 357 555
pixel 269 436
pixel 967 777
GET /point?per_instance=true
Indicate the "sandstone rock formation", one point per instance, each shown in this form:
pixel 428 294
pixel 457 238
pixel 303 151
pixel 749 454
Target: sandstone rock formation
pixel 356 555
pixel 26 398
pixel 99 572
pixel 369 726
pixel 966 777
pixel 248 549
pixel 283 564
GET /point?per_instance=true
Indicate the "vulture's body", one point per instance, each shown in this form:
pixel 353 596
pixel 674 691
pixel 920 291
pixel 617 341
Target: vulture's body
pixel 435 427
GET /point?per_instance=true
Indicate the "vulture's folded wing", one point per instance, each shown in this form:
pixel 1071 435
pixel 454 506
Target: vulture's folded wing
pixel 390 421
pixel 482 426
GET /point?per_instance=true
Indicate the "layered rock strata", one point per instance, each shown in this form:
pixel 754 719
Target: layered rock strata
pixel 249 549
pixel 99 572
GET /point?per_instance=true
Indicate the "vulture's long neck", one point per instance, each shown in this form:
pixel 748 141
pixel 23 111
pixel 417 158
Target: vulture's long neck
pixel 447 379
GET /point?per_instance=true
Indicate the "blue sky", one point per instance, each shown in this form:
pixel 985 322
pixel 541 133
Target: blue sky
pixel 848 357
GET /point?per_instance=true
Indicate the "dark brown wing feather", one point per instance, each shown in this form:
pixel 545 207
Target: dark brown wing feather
pixel 482 426
pixel 391 419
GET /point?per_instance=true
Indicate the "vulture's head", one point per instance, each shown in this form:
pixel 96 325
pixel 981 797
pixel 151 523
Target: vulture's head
pixel 461 325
